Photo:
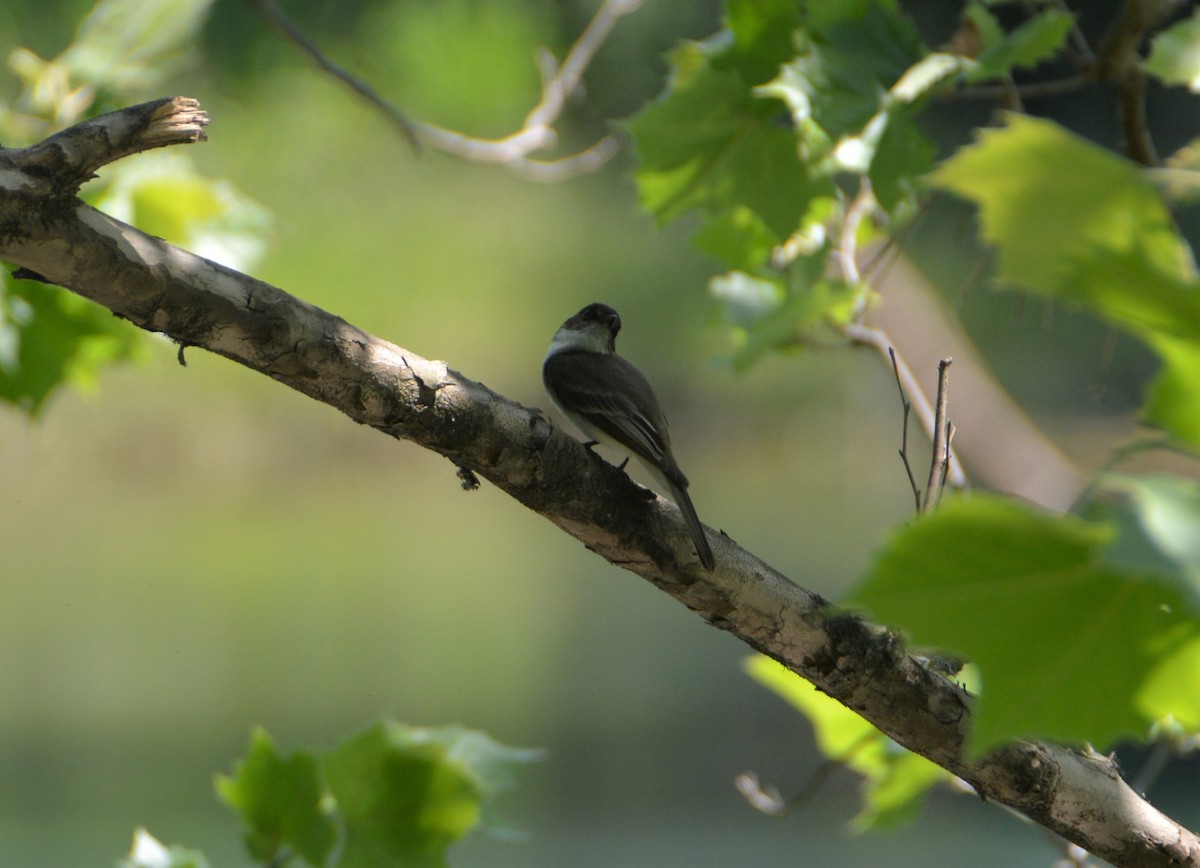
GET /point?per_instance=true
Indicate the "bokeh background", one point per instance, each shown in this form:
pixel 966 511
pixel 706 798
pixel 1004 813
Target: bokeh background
pixel 188 552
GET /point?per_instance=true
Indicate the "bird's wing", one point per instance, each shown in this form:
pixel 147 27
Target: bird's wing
pixel 581 381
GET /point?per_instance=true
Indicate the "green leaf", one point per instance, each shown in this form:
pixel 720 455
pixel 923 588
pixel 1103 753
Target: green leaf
pixel 1173 401
pixel 1050 202
pixel 708 145
pixel 762 34
pixel 903 155
pixel 1175 54
pixel 840 77
pixel 738 238
pixel 1072 220
pixel 405 794
pixel 804 316
pixel 1064 639
pixel 279 800
pixel 895 779
pixel 1156 517
pixel 1033 41
pixel 128 47
pixel 1171 693
pixel 49 336
pixel 149 852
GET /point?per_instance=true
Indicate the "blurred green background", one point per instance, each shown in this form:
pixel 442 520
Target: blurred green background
pixel 187 552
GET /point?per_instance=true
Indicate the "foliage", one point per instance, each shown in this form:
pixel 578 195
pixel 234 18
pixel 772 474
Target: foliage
pixel 794 136
pixel 992 579
pixel 122 51
pixel 391 795
pixel 795 151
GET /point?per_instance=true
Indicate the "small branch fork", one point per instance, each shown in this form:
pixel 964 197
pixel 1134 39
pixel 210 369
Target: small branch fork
pixel 863 205
pixel 513 151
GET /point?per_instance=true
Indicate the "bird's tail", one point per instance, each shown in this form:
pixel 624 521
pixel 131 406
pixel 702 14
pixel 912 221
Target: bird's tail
pixel 703 550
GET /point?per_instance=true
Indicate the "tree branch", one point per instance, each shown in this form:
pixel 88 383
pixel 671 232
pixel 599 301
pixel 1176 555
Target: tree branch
pixel 164 289
pixel 536 133
pixel 1119 61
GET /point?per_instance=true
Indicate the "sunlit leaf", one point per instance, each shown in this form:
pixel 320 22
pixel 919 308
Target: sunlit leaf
pixel 405 794
pixel 708 145
pixel 162 194
pixel 127 47
pixel 1171 692
pixel 1035 40
pixel 49 336
pixel 1064 639
pixel 279 800
pixel 1175 54
pixel 1157 519
pixel 1069 219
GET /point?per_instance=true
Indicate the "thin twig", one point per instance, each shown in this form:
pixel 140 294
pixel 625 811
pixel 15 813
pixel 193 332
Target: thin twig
pixel 863 204
pixel 907 405
pixel 536 134
pixel 1033 90
pixel 943 430
pixel 565 82
pixel 881 343
pixel 276 16
pixel 950 429
pixel 1078 40
pixel 1119 61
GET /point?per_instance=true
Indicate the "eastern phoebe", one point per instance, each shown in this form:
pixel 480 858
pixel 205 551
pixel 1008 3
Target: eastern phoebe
pixel 611 402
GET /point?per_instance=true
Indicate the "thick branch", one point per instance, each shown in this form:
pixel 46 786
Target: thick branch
pixel 161 288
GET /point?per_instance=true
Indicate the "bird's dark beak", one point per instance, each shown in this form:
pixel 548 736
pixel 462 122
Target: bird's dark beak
pixel 613 320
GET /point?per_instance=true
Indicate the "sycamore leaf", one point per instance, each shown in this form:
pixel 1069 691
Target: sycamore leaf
pixel 1156 517
pixel 49 336
pixel 1173 401
pixel 405 794
pixel 1028 45
pixel 279 800
pixel 708 145
pixel 1064 639
pixel 1049 200
pixel 1171 693
pixel 1072 220
pixel 1175 54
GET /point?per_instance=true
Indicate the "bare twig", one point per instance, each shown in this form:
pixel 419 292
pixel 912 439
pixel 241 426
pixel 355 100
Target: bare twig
pixel 942 432
pixel 847 252
pixel 536 133
pixel 950 429
pixel 1033 90
pixel 879 341
pixel 277 17
pixel 907 405
pixel 1119 62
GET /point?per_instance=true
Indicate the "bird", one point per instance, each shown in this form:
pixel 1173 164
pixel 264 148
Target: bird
pixel 612 403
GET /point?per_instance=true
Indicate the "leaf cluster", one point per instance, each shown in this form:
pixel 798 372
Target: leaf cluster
pixel 794 137
pixel 122 51
pixel 393 794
